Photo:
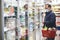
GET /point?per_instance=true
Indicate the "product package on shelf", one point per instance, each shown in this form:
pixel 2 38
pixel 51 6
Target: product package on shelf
pixel 30 21
pixel 22 18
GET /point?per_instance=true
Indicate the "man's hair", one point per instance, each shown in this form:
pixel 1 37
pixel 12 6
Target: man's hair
pixel 25 5
pixel 49 5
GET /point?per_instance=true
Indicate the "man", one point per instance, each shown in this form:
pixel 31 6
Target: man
pixel 26 20
pixel 50 19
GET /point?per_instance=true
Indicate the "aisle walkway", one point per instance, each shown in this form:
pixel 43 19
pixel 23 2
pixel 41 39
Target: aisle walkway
pixel 35 35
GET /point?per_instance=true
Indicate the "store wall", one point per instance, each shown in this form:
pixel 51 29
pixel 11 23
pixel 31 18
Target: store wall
pixel 1 22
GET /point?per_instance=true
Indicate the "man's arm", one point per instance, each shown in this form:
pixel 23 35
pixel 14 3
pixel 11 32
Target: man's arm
pixel 52 19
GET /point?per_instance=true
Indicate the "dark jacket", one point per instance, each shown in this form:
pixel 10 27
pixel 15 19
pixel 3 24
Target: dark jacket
pixel 50 19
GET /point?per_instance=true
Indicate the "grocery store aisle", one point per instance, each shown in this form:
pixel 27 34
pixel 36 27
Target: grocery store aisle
pixel 31 36
pixel 35 35
pixel 38 37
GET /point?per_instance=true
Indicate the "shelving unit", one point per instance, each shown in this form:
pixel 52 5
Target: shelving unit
pixel 9 19
pixel 56 9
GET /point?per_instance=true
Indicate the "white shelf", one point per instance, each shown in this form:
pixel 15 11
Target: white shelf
pixel 56 12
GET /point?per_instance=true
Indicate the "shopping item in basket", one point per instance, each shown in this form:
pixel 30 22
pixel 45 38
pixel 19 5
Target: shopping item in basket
pixel 49 33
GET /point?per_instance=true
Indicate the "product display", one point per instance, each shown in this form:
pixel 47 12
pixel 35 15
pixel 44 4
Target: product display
pixel 9 20
pixel 9 26
pixel 56 9
pixel 58 21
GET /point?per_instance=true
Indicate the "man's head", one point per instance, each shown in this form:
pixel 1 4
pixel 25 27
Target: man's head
pixel 48 7
pixel 26 6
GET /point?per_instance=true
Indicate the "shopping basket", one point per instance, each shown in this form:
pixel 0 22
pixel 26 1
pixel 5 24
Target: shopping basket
pixel 49 33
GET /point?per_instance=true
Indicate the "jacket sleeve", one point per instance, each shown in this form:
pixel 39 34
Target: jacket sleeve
pixel 53 18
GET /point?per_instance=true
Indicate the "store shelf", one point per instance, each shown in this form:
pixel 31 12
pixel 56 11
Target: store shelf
pixel 56 12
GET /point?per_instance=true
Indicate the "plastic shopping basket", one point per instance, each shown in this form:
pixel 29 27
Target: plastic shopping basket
pixel 49 33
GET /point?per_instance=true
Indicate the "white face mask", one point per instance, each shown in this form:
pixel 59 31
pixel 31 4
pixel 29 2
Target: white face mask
pixel 47 10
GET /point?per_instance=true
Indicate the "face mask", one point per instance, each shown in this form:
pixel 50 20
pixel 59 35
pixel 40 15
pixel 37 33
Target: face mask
pixel 47 10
